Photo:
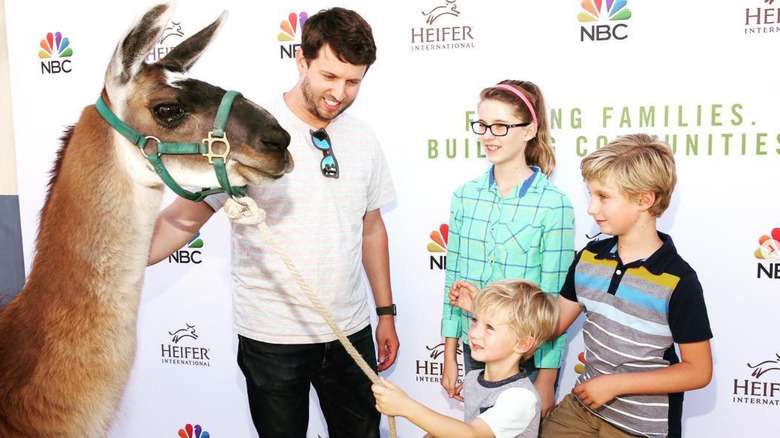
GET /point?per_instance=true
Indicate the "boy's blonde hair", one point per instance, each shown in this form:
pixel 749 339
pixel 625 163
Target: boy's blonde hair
pixel 528 310
pixel 636 163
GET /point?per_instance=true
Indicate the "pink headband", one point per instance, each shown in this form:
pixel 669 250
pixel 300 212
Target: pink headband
pixel 522 97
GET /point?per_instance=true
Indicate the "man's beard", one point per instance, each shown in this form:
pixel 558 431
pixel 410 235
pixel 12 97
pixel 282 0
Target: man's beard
pixel 311 100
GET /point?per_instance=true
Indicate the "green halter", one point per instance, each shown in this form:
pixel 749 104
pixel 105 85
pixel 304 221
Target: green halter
pixel 205 148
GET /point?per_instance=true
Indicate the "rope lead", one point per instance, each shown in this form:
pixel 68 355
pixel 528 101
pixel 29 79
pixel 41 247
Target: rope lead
pixel 245 211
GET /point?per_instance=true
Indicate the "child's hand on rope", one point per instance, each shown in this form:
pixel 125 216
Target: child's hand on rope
pixel 390 399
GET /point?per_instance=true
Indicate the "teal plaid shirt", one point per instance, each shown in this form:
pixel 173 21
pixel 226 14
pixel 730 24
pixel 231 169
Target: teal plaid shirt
pixel 529 234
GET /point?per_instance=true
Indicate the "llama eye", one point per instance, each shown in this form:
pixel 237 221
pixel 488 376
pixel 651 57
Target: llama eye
pixel 169 112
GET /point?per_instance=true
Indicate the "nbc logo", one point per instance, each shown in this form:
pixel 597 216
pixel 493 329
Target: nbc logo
pixel 580 367
pixel 769 249
pixel 607 11
pixel 55 46
pixel 190 254
pixel 289 33
pixel 438 246
pixel 191 431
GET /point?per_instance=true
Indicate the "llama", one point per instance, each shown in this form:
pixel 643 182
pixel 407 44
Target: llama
pixel 67 342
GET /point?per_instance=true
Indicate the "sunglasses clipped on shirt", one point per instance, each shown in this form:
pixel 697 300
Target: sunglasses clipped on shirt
pixel 321 140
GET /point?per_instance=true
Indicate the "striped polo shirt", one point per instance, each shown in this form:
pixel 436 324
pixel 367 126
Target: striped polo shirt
pixel 635 313
pixel 527 234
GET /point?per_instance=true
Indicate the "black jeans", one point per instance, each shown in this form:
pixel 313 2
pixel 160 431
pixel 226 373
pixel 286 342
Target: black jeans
pixel 278 378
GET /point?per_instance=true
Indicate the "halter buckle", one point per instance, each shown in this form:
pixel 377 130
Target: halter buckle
pixel 210 154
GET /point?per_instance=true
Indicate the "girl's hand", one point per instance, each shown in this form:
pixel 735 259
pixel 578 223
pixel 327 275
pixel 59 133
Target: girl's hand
pixel 462 294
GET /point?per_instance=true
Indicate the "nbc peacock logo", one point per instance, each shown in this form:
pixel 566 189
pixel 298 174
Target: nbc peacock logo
pixel 437 246
pixel 769 250
pixel 579 368
pixel 610 14
pixel 196 431
pixel 595 10
pixel 290 34
pixel 190 254
pixel 53 48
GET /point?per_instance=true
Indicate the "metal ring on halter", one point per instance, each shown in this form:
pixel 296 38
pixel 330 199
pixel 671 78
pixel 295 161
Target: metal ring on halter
pixel 237 199
pixel 150 137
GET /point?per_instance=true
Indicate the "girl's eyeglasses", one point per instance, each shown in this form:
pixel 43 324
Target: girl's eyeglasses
pixel 497 129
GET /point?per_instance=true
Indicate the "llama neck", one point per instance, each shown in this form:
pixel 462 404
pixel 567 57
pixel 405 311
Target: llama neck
pixel 97 223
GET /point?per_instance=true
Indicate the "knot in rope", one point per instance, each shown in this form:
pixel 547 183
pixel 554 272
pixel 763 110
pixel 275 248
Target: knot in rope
pixel 244 211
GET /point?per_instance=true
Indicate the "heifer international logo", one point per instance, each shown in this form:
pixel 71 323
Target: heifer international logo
pixel 186 332
pixel 170 38
pixel 438 247
pixel 444 35
pixel 768 250
pixel 759 389
pixel 610 14
pixel 53 48
pixel 175 352
pixel 759 20
pixel 290 34
pixel 431 368
pixel 190 431
pixel 448 8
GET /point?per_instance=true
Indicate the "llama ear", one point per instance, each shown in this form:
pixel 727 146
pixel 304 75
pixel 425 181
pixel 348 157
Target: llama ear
pixel 132 49
pixel 183 56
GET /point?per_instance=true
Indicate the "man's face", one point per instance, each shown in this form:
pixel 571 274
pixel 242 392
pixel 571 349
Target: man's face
pixel 329 85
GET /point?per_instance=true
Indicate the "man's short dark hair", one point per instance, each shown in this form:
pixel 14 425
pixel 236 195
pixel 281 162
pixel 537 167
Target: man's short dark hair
pixel 345 31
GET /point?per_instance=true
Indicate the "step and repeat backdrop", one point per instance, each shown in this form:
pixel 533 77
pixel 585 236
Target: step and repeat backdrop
pixel 701 75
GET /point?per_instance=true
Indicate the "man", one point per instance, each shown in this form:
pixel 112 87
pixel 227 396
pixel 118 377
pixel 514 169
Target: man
pixel 326 215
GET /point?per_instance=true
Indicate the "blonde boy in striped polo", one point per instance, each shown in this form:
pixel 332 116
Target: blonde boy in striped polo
pixel 640 298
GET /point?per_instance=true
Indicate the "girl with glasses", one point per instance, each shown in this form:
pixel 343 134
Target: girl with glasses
pixel 511 222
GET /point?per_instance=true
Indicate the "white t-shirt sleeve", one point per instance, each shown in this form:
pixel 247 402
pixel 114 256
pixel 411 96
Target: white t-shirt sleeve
pixel 380 190
pixel 514 410
pixel 216 201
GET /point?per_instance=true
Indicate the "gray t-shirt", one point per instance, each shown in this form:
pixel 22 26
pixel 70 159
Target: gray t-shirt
pixel 510 407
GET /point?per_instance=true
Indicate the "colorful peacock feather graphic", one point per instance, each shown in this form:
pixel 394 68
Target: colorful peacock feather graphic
pixel 580 367
pixel 439 239
pixel 595 9
pixel 769 246
pixel 191 431
pixel 55 46
pixel 291 25
pixel 196 242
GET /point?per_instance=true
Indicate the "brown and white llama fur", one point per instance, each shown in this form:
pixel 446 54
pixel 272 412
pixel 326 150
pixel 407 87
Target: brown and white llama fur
pixel 67 342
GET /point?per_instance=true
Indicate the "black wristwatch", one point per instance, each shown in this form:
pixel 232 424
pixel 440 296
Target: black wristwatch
pixel 386 310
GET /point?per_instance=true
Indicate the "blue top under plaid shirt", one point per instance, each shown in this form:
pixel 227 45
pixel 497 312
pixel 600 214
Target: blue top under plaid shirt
pixel 528 234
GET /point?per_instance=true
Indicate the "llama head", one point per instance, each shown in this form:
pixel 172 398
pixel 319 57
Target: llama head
pixel 160 101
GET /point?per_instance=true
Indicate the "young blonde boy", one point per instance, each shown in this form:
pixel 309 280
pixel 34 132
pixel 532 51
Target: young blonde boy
pixel 510 320
pixel 640 298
